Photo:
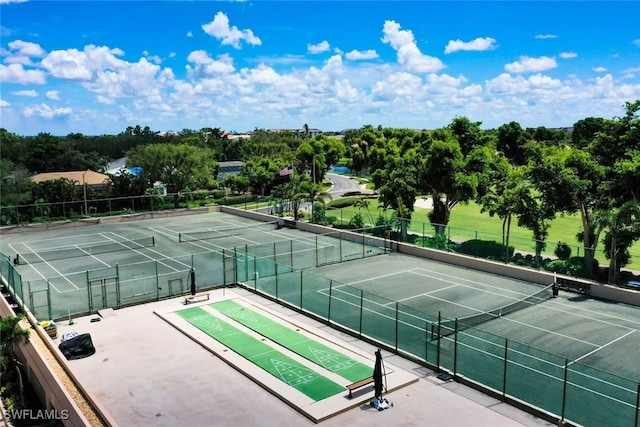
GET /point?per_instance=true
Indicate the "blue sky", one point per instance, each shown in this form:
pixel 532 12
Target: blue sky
pixel 97 67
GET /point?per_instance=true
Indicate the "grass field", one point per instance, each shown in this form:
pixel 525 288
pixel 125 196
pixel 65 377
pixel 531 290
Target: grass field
pixel 468 217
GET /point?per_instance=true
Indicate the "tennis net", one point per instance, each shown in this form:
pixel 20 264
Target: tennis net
pixel 73 251
pixel 448 326
pixel 216 233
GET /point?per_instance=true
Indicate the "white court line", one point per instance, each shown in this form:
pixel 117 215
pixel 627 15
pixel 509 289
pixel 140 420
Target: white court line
pixel 462 279
pixel 145 255
pixel 51 267
pixel 93 256
pixel 603 346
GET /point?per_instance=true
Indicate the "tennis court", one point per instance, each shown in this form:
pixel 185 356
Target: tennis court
pixel 567 356
pixel 77 270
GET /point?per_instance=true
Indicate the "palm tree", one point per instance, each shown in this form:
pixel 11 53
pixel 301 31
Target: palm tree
pixel 11 334
pixel 314 194
pixel 623 226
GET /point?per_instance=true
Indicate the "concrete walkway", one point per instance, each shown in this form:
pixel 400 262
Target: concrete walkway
pixel 147 373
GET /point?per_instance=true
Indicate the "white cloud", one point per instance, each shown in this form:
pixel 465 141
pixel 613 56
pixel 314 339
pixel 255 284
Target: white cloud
pixel 409 56
pixel 30 93
pixel 480 44
pixel 12 1
pixel 53 95
pixel 189 34
pixel 546 36
pixel 531 65
pixel 4 103
pixel 321 47
pixel 568 55
pixel 599 69
pixel 72 64
pixel 45 111
pixel 205 65
pixel 636 42
pixel 104 100
pixel 219 28
pixel 22 48
pixel 16 73
pixel 356 55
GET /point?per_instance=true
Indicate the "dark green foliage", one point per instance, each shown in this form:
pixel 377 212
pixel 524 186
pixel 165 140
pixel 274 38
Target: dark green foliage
pixel 486 249
pixel 342 202
pixel 563 251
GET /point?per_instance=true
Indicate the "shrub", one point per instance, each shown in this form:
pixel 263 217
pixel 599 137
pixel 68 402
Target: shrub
pixel 486 249
pixel 563 251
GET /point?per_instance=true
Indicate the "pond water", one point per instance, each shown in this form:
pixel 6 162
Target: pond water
pixel 339 169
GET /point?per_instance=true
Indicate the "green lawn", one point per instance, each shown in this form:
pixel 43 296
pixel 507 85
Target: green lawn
pixel 467 222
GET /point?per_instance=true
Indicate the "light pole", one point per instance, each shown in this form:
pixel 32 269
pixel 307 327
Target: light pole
pixel 84 187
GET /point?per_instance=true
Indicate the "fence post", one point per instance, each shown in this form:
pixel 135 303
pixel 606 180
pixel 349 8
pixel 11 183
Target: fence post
pixel 157 282
pixel 504 370
pixel 89 297
pixel 330 300
pixel 397 326
pixel 455 348
pixel 301 290
pixel 361 310
pixel 564 388
pixel 439 334
pixel 49 300
pixel 426 340
pixel 637 405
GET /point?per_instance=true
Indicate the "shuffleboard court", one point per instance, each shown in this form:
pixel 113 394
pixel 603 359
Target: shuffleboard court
pixel 294 374
pixel 315 388
pixel 292 339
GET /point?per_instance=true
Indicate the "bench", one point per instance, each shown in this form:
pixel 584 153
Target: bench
pixel 197 297
pixel 359 384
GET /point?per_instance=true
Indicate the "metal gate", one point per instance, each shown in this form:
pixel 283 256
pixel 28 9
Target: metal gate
pixel 104 293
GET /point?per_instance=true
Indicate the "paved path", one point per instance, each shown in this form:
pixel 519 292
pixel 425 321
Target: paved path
pixel 147 373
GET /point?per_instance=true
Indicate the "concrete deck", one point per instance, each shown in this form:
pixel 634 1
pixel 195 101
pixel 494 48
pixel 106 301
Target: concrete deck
pixel 146 372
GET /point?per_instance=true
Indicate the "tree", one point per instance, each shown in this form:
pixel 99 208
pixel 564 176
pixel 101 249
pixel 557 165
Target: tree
pixel 445 178
pixel 11 334
pixel 503 198
pixel 510 141
pixel 177 166
pixel 623 229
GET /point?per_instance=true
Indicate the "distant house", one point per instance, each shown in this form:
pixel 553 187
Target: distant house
pixel 97 181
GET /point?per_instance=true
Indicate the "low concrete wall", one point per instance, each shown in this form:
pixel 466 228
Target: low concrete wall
pixel 52 392
pixel 107 220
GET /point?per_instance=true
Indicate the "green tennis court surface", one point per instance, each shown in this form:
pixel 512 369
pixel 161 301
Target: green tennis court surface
pixel 288 370
pixel 300 344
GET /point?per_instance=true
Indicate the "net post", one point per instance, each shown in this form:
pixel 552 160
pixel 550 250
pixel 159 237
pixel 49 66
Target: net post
pixel 291 253
pixel 153 240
